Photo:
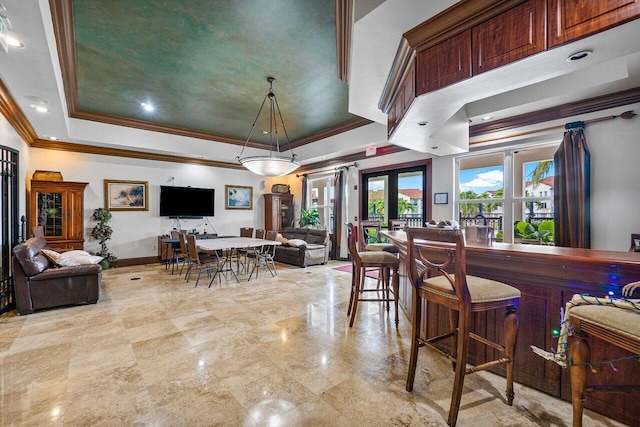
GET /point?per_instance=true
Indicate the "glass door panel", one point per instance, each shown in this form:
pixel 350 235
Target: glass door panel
pixel 410 198
pixel 50 211
pixel 378 198
pixel 322 199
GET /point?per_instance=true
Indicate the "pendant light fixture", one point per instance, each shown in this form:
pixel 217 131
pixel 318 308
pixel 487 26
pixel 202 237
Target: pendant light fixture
pixel 275 164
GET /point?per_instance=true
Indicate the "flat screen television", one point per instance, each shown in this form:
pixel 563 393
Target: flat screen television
pixel 186 201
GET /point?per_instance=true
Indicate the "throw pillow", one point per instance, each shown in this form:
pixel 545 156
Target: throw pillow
pixel 59 260
pixel 296 242
pixel 280 238
pixel 82 257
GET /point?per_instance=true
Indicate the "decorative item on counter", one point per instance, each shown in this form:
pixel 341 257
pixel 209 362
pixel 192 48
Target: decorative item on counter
pixel 280 188
pixel 451 224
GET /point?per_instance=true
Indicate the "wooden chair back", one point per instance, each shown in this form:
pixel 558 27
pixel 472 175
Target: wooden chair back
pixel 397 224
pixel 246 232
pixel 369 232
pixel 435 252
pixel 351 243
pixel 260 233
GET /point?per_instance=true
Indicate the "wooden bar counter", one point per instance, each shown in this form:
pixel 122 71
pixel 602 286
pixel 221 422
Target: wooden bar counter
pixel 547 276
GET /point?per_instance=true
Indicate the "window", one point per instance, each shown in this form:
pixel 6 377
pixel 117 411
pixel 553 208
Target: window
pixel 395 194
pixel 321 192
pixel 512 190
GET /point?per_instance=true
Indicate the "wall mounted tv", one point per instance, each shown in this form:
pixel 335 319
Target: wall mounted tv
pixel 186 202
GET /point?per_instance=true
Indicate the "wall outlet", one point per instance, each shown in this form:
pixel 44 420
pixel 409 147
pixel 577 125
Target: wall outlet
pixel 154 248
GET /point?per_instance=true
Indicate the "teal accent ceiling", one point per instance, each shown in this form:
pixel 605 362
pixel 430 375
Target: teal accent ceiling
pixel 203 64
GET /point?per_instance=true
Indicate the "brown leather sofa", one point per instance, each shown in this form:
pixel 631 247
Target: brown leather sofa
pixel 38 284
pixel 315 250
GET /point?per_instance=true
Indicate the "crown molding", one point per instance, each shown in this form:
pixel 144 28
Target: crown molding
pixel 332 131
pixel 133 154
pixel 344 27
pixel 14 115
pixel 591 105
pixel 350 158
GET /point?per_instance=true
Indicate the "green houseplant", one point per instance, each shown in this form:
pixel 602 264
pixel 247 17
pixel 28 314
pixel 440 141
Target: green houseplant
pixel 309 218
pixel 102 232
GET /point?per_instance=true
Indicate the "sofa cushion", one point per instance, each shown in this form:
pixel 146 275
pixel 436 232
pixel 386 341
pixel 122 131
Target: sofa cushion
pixel 59 260
pixel 29 255
pixel 317 236
pixel 296 242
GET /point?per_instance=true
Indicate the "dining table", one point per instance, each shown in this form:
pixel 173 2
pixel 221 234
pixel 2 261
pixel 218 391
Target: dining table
pixel 231 244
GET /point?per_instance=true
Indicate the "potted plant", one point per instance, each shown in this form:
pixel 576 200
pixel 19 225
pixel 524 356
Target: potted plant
pixel 309 218
pixel 102 232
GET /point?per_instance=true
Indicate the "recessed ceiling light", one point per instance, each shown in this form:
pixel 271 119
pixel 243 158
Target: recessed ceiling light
pixel 13 42
pixel 39 108
pixel 265 132
pixel 53 138
pixel 422 123
pixel 487 118
pixel 147 107
pixel 435 147
pixel 578 55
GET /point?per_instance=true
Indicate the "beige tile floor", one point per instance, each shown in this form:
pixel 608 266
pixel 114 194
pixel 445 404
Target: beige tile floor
pixel 270 352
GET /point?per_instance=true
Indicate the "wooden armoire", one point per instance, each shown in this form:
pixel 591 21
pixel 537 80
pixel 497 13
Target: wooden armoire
pixel 278 211
pixel 58 206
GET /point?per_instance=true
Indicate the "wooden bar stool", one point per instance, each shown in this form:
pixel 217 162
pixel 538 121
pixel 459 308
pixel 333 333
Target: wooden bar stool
pixel 437 270
pixel 617 326
pixel 386 262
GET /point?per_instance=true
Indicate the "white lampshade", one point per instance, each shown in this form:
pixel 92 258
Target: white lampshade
pixel 270 165
pixel 274 164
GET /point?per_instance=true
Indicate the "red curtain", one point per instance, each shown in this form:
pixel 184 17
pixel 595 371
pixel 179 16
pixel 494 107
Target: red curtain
pixel 572 188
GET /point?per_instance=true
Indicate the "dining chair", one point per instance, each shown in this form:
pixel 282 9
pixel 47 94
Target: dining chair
pixel 371 240
pixel 182 236
pixel 260 233
pixel 436 264
pixel 397 224
pixel 242 253
pixel 385 262
pixel 616 326
pixel 203 262
pixel 264 256
pixel 177 254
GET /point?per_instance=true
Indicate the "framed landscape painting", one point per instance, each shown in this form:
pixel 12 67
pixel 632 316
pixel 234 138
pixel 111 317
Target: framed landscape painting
pixel 126 195
pixel 238 197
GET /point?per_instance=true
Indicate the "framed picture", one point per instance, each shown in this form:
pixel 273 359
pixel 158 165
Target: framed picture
pixel 440 198
pixel 238 197
pixel 126 195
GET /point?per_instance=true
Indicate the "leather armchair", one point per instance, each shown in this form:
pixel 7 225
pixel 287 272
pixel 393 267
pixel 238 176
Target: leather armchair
pixel 38 284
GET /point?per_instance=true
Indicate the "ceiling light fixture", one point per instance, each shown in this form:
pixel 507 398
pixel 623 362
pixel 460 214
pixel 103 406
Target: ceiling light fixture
pixel 485 118
pixel 147 107
pixel 13 42
pixel 274 164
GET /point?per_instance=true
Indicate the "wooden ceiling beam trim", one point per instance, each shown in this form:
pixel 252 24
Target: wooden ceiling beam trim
pixel 591 105
pixel 344 28
pixel 14 115
pixel 133 154
pixel 350 158
pixel 62 19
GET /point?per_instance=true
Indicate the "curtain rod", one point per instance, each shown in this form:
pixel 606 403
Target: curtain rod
pixel 325 170
pixel 626 115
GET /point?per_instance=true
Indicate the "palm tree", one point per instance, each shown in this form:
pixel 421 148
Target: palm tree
pixel 404 206
pixel 540 172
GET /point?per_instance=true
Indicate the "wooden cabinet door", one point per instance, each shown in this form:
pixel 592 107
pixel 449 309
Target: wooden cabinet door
pixel 444 64
pixel 570 19
pixel 510 36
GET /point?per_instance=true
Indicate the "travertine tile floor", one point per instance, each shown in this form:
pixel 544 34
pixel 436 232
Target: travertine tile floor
pixel 270 352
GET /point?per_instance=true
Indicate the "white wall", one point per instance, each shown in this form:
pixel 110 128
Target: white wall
pixel 10 138
pixel 135 233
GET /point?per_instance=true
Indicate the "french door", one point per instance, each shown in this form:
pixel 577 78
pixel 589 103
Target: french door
pixel 9 227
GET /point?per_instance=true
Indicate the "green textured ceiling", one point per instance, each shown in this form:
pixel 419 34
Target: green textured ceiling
pixel 203 64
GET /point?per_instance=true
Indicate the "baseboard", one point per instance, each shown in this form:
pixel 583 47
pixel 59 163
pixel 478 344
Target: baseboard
pixel 137 261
